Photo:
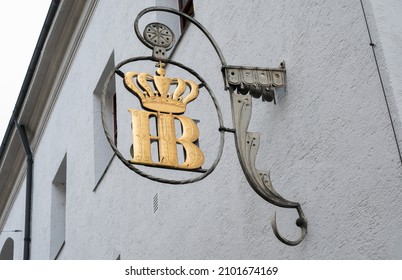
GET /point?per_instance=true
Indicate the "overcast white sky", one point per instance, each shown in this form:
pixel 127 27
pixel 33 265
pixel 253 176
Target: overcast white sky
pixel 20 25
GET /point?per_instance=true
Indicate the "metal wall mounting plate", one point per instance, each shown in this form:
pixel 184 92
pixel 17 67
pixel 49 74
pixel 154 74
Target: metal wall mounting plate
pixel 256 81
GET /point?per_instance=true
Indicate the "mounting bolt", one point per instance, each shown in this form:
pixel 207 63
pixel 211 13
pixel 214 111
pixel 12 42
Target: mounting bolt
pixel 268 94
pixel 300 222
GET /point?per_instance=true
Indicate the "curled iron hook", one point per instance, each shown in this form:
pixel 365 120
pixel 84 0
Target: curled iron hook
pixel 300 222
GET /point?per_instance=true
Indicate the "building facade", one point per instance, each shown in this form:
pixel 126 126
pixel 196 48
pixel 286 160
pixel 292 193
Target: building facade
pixel 331 141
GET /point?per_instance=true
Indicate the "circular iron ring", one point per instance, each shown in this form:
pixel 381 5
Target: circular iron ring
pixel 130 165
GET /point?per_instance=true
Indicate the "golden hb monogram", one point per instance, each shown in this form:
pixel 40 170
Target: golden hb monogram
pixel 165 106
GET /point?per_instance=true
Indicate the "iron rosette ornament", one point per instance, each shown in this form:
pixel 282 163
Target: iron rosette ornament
pixel 153 91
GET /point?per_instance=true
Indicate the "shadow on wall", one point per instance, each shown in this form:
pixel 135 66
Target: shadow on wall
pixel 7 252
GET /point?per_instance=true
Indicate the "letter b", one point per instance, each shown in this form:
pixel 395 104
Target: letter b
pixel 167 141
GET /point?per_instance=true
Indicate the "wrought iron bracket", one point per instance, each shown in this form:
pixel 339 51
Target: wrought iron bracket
pixel 244 83
pixel 247 145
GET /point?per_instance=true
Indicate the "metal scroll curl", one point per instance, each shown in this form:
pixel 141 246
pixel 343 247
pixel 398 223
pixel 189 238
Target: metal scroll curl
pixel 247 144
pixel 250 82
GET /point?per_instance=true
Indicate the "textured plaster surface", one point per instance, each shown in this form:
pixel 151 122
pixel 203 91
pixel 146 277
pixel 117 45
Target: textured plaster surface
pixel 328 143
pixel 385 25
pixel 14 225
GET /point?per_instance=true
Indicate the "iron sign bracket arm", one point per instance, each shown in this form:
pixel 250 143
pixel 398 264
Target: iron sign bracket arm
pixel 243 84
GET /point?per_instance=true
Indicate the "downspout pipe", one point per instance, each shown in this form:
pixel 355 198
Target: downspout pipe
pixel 29 75
pixel 13 123
pixel 28 195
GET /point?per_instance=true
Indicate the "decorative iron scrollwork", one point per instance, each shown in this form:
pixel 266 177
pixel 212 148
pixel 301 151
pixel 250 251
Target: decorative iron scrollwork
pixel 247 144
pixel 243 83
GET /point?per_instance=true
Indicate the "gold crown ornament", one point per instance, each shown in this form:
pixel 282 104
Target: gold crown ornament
pixel 154 91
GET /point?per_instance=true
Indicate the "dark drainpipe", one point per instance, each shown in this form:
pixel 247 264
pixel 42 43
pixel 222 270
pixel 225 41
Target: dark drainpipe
pixel 21 130
pixel 28 196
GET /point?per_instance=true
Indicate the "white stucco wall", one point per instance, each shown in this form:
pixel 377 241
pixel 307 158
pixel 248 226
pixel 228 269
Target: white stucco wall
pixel 14 226
pixel 385 23
pixel 328 143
